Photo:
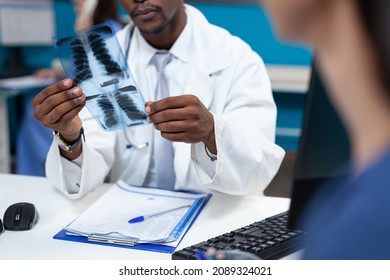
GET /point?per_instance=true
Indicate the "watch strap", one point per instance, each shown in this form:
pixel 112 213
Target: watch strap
pixel 212 156
pixel 66 146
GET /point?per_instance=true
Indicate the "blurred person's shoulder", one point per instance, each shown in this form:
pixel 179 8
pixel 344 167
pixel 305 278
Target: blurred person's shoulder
pixel 350 216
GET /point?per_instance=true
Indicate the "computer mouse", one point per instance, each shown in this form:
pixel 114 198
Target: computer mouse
pixel 20 216
pixel 1 227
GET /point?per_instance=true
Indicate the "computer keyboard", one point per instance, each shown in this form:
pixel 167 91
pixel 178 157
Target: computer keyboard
pixel 267 239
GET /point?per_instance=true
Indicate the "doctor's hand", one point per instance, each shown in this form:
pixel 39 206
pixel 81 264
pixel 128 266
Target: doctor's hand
pixel 183 119
pixel 57 107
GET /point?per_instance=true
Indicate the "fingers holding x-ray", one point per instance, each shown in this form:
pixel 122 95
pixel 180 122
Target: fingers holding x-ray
pixel 112 110
pixel 93 58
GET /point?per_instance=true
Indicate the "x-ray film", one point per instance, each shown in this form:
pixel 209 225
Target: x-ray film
pixel 93 58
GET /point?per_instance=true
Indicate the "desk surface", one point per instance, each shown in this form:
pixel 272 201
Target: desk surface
pixel 222 213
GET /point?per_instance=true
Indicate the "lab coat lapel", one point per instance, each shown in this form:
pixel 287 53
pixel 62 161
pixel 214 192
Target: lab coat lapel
pixel 200 83
pixel 206 62
pixel 207 58
pixel 201 77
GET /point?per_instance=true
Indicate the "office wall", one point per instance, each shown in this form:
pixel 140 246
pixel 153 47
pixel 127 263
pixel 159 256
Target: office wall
pixel 251 23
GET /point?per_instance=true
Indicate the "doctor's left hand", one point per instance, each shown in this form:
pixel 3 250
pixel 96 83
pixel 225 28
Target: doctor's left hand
pixel 183 119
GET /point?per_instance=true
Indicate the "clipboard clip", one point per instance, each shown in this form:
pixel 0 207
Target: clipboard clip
pixel 112 241
pixel 128 241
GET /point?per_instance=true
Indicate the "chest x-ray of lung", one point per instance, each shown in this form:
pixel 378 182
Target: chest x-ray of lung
pixel 93 58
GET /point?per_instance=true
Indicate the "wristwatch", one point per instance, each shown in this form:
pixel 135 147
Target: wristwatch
pixel 68 147
pixel 212 156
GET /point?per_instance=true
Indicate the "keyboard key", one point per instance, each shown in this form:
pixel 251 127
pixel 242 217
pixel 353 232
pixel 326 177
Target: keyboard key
pixel 264 246
pixel 183 255
pixel 213 240
pixel 286 236
pixel 256 250
pixel 190 250
pixel 228 240
pixel 253 244
pixel 278 239
pixel 267 237
pixel 270 243
pixel 245 247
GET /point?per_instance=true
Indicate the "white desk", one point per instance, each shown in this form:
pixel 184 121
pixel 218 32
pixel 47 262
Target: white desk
pixel 222 213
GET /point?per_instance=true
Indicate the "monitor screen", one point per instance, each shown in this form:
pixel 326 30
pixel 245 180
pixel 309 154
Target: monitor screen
pixel 324 147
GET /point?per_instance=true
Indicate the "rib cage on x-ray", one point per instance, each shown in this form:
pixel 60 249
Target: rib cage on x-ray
pixel 94 59
pixel 102 54
pixel 117 106
pixel 82 71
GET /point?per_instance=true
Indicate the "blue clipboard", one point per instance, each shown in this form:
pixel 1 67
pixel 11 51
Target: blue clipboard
pixel 161 248
pixel 146 247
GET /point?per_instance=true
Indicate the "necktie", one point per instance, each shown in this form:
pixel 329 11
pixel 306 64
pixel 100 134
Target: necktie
pixel 162 150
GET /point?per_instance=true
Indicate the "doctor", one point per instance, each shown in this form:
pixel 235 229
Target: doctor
pixel 219 117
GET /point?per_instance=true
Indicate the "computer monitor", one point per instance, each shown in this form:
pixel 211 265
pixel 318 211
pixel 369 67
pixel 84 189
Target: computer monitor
pixel 324 147
pixel 24 24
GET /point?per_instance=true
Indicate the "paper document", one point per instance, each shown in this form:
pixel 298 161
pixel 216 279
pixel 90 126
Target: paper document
pixel 107 220
pixel 25 82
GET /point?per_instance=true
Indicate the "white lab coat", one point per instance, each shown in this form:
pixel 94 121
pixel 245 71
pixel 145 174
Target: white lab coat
pixel 231 81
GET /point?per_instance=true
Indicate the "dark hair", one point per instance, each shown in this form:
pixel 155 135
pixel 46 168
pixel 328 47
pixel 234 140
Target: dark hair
pixel 376 17
pixel 106 10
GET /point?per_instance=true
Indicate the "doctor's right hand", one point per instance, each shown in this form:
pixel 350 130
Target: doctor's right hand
pixel 57 107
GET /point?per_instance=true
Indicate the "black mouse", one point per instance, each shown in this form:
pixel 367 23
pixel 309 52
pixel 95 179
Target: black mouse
pixel 20 216
pixel 1 227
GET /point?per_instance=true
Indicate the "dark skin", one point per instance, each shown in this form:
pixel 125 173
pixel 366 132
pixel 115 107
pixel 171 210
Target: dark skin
pixel 180 118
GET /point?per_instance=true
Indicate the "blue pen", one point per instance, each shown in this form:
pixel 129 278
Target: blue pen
pixel 146 217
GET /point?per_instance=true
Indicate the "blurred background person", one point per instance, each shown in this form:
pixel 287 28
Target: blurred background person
pixel 30 159
pixel 349 219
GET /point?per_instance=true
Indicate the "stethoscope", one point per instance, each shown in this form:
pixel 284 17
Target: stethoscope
pixel 130 145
